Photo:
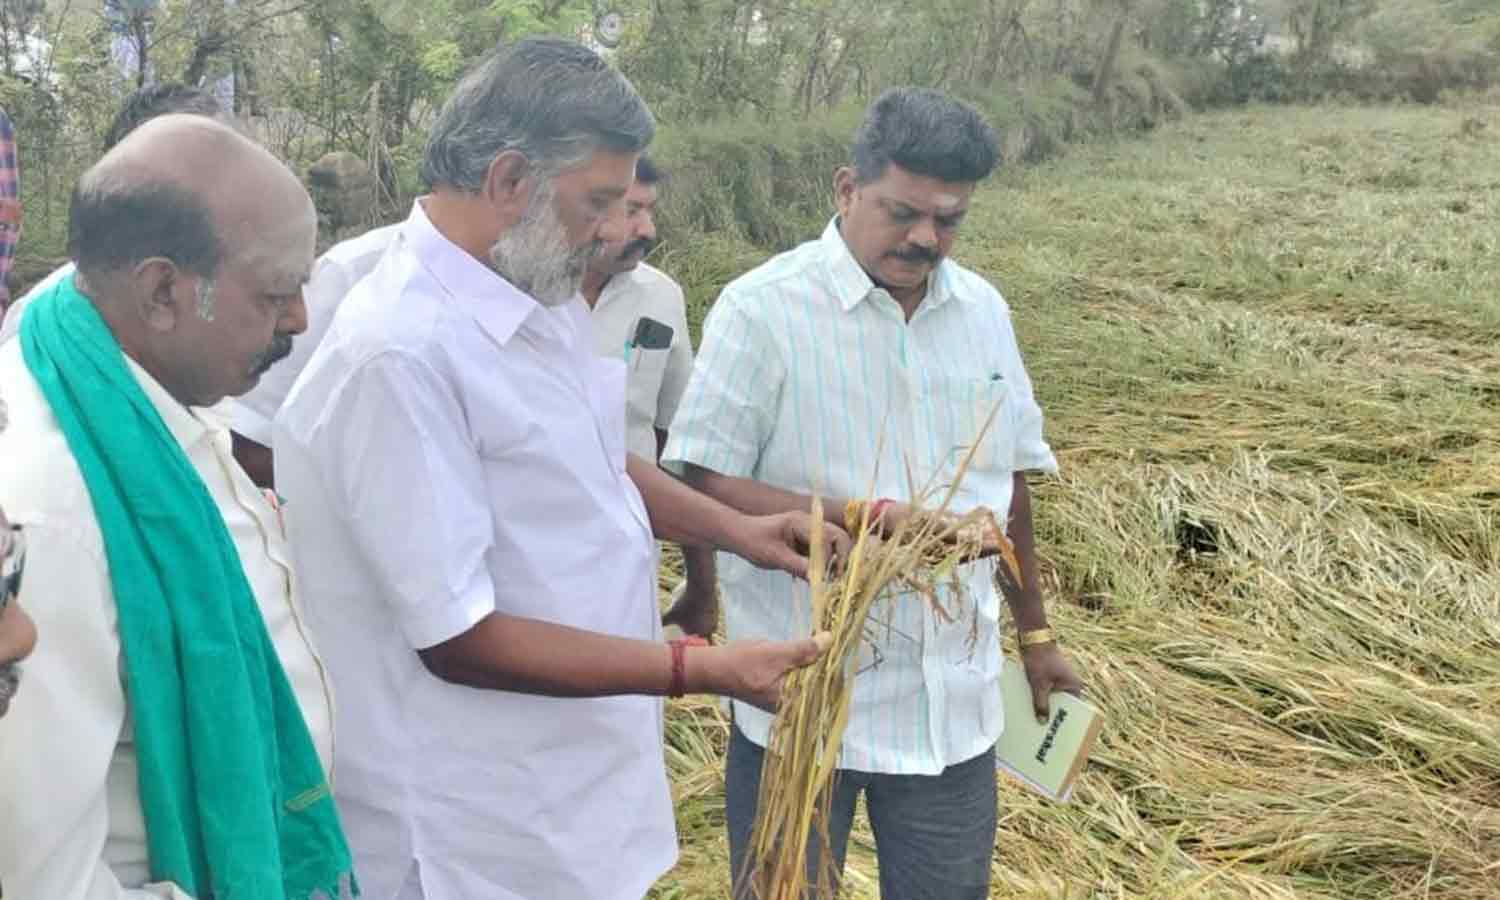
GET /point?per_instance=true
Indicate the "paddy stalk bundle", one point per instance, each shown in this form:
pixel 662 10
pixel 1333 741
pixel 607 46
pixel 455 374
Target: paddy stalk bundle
pixel 918 554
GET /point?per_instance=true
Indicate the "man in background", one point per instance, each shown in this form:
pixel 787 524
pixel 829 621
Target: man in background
pixel 639 316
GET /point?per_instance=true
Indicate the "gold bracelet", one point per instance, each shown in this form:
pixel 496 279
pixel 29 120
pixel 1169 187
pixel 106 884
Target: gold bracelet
pixel 1034 637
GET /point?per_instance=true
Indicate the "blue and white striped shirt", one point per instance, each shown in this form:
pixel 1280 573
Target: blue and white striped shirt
pixel 805 364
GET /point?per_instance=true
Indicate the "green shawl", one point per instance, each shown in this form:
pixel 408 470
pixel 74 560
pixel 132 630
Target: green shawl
pixel 236 802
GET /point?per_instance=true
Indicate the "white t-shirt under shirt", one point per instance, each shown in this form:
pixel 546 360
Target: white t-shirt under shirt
pixel 454 449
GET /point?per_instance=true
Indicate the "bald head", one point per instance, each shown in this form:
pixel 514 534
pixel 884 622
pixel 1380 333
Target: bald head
pixel 184 188
pixel 194 243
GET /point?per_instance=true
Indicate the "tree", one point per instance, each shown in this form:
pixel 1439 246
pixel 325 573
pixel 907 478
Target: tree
pixel 1319 24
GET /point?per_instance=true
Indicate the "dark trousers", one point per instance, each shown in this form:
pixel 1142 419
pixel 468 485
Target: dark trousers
pixel 934 834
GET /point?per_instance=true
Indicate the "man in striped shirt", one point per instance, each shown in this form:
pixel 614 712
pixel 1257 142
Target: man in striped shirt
pixel 831 369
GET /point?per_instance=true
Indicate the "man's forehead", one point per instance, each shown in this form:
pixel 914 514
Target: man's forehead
pixel 282 257
pixel 922 192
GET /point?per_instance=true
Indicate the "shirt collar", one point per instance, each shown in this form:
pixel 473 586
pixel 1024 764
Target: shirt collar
pixel 188 425
pixel 498 306
pixel 852 284
pixel 619 284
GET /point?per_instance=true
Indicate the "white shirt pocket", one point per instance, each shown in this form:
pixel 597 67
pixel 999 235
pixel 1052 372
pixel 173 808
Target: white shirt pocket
pixel 964 404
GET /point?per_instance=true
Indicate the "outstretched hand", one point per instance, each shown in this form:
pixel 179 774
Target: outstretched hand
pixel 782 542
pixel 753 671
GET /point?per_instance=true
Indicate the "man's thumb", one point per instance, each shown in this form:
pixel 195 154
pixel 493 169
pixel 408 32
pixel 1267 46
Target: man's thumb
pixel 1040 701
pixel 809 650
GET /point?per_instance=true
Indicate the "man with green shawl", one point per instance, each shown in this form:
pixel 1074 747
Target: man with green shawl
pixel 174 738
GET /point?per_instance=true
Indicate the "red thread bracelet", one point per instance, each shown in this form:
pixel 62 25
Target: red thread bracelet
pixel 679 663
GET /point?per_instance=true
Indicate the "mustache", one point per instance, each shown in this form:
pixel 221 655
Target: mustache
pixel 639 245
pixel 916 254
pixel 280 348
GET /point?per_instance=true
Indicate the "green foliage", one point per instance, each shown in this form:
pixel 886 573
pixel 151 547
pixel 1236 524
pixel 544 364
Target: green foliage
pixel 756 100
pixel 443 61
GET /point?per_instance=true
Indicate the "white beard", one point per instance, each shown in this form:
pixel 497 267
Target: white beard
pixel 535 257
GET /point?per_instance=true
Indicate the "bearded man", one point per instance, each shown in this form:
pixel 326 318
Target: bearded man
pixel 477 545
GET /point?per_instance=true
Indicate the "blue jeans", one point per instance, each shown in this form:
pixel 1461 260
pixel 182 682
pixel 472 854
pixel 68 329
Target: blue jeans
pixel 934 834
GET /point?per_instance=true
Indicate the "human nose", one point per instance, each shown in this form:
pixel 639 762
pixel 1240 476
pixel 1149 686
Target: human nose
pixel 615 225
pixel 293 318
pixel 923 234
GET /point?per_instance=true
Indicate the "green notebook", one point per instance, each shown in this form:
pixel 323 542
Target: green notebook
pixel 1048 757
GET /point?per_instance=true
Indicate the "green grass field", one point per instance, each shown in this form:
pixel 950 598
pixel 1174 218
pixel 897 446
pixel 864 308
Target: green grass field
pixel 1266 341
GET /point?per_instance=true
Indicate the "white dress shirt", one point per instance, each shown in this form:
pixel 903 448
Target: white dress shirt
pixel 72 827
pixel 657 377
pixel 335 272
pixel 454 449
pixel 804 365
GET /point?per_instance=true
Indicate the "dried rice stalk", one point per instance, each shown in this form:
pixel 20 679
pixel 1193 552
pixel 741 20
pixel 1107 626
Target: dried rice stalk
pixel 796 785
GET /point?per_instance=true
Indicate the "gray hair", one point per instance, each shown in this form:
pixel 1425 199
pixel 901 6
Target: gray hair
pixel 552 100
pixel 926 132
pixel 115 222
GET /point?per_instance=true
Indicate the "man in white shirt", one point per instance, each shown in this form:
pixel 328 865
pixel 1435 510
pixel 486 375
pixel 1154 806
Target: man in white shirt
pixel 869 351
pixel 117 454
pixel 639 315
pixel 478 558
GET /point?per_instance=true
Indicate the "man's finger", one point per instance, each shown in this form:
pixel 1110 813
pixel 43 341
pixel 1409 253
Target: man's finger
pixel 790 561
pixel 838 543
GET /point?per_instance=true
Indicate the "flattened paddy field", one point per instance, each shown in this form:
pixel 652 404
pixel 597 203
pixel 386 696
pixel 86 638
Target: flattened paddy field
pixel 1266 341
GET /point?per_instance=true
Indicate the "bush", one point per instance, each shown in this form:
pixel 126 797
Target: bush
pixel 765 183
pixel 1390 77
